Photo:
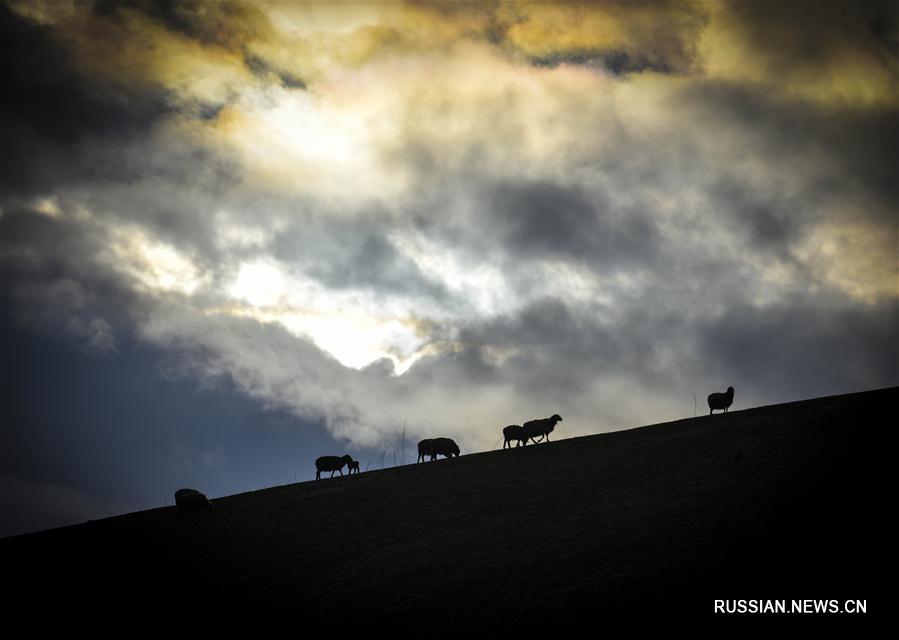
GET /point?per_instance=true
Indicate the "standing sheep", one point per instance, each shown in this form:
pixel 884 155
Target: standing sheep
pixel 533 428
pixel 332 464
pixel 721 400
pixel 513 432
pixel 354 467
pixel 425 449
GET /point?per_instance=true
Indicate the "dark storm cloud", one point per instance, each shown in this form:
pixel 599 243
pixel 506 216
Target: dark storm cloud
pixel 780 169
pixel 353 253
pixel 617 37
pixel 556 348
pixel 467 364
pixel 771 223
pixel 176 16
pixel 539 217
pixel 43 90
pixel 263 69
pixel 369 261
pixel 857 146
pixel 616 62
pixel 229 25
pixel 802 349
pixel 564 348
pixel 48 107
pixel 792 40
pixel 54 278
pixel 164 183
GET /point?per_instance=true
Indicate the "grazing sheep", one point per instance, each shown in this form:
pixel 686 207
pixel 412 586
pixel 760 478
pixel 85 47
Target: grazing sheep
pixel 354 467
pixel 533 428
pixel 513 432
pixel 332 464
pixel 445 447
pixel 721 400
pixel 191 500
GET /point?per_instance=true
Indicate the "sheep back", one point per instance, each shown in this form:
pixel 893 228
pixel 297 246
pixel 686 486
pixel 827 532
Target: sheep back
pixel 191 500
pixel 513 432
pixel 446 447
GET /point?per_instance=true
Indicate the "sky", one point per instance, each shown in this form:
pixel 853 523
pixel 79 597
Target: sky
pixel 237 236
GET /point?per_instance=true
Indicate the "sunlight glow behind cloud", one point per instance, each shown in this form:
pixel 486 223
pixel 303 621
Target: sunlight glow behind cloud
pixel 155 265
pixel 536 207
pixel 349 327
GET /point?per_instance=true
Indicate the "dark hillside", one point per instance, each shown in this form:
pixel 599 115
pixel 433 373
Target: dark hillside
pixel 773 502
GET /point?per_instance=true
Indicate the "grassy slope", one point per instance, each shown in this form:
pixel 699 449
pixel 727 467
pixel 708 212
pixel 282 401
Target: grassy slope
pixel 773 502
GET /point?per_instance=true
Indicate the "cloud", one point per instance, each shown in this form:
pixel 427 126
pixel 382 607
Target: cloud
pixel 49 94
pixel 551 219
pixel 840 55
pixel 774 349
pixel 96 334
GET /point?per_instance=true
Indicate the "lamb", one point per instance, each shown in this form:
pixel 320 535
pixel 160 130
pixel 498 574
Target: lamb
pixel 445 447
pixel 721 400
pixel 354 467
pixel 191 500
pixel 533 428
pixel 332 464
pixel 513 432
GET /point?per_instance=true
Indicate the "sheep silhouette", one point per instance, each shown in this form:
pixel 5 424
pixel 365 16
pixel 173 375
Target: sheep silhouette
pixel 721 400
pixel 543 427
pixel 354 467
pixel 424 449
pixel 332 464
pixel 191 500
pixel 445 447
pixel 513 432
